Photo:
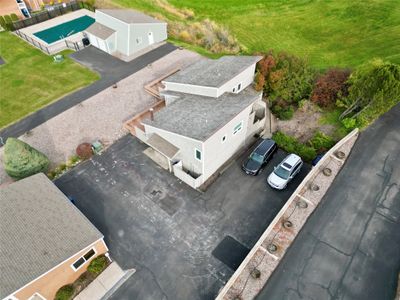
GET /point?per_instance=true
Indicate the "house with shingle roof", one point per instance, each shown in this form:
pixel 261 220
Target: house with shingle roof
pixel 125 33
pixel 212 112
pixel 45 241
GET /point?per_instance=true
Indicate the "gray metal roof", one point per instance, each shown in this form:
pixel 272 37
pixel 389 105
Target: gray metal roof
pixel 40 228
pixel 213 72
pixel 100 30
pixel 199 117
pixel 130 16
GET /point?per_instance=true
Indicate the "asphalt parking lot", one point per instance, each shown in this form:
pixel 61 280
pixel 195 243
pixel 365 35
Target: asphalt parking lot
pixel 170 233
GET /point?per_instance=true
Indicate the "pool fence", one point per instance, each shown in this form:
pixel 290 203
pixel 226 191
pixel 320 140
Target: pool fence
pixel 50 13
pixel 51 49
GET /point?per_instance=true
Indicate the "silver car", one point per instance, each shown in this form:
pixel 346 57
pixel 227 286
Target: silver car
pixel 285 172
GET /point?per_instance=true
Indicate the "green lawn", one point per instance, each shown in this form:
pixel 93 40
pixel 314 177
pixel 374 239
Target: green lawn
pixel 328 32
pixel 30 79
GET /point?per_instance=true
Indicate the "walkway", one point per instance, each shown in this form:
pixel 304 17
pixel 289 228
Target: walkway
pixel 349 248
pixel 111 70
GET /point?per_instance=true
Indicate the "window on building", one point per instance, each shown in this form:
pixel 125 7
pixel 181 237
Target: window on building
pixel 224 138
pixel 83 259
pixel 239 87
pixel 234 90
pixel 138 40
pixel 238 127
pixel 197 154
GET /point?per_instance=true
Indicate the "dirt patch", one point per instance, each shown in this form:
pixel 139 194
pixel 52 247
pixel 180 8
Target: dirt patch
pixel 304 124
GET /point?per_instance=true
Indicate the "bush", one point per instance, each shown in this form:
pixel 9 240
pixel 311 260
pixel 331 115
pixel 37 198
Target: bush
pixel 8 21
pixel 3 23
pixel 14 17
pixel 22 160
pixel 66 292
pixel 84 151
pixel 292 145
pixel 330 86
pixel 98 264
pixel 281 111
pixel 321 142
pixel 259 81
pixel 349 123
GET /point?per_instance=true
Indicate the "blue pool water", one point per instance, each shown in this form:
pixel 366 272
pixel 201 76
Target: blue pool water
pixel 59 32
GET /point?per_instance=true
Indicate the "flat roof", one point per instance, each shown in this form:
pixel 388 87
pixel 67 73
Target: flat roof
pixel 130 16
pixel 162 145
pixel 199 117
pixel 100 30
pixel 213 72
pixel 40 228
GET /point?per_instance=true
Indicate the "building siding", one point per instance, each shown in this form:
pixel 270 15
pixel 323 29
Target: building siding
pixel 48 285
pixel 159 31
pixel 186 146
pixel 218 152
pixel 245 78
pixel 191 89
pixel 121 28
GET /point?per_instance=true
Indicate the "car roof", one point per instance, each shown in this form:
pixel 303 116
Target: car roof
pixel 264 146
pixel 290 161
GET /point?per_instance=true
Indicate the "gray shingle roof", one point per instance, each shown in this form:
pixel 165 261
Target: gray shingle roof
pixel 199 117
pixel 213 72
pixel 130 16
pixel 40 228
pixel 100 30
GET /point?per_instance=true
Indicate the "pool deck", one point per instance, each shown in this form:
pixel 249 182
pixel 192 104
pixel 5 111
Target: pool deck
pixel 29 31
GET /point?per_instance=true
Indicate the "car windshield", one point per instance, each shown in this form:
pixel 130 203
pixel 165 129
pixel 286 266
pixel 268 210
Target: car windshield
pixel 257 157
pixel 282 172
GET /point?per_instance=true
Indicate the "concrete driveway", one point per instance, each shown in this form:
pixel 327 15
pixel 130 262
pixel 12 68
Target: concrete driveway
pixel 350 247
pixel 167 231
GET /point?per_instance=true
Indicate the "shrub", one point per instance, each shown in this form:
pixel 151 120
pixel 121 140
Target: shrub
pixel 330 86
pixel 66 292
pixel 185 36
pixel 84 151
pixel 259 81
pixel 22 160
pixel 3 23
pixel 8 21
pixel 321 142
pixel 349 123
pixel 292 145
pixel 14 17
pixel 282 111
pixel 98 264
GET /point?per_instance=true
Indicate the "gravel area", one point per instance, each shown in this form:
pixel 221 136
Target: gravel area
pixel 101 116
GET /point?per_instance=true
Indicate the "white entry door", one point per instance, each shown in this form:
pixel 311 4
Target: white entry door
pixel 151 38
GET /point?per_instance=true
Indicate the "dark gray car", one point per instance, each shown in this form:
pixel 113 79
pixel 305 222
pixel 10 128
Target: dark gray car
pixel 259 157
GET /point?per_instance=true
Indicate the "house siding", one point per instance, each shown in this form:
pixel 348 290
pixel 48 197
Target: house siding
pixel 121 28
pixel 159 31
pixel 245 78
pixel 218 152
pixel 186 147
pixel 191 89
pixel 48 285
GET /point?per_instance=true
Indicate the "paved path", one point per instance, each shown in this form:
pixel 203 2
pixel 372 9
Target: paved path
pixel 350 247
pixel 166 230
pixel 111 70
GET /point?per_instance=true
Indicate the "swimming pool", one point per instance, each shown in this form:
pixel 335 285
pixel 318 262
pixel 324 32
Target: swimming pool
pixel 59 32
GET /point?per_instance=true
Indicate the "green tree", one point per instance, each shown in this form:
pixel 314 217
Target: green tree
pixel 22 160
pixel 374 89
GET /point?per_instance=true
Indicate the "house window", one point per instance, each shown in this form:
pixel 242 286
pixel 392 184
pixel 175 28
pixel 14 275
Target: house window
pixel 83 259
pixel 238 127
pixel 239 86
pixel 234 90
pixel 138 40
pixel 223 138
pixel 197 154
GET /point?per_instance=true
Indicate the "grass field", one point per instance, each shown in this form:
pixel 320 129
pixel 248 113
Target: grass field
pixel 30 79
pixel 328 32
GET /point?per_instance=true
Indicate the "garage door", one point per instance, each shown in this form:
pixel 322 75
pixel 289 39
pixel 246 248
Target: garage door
pixel 102 45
